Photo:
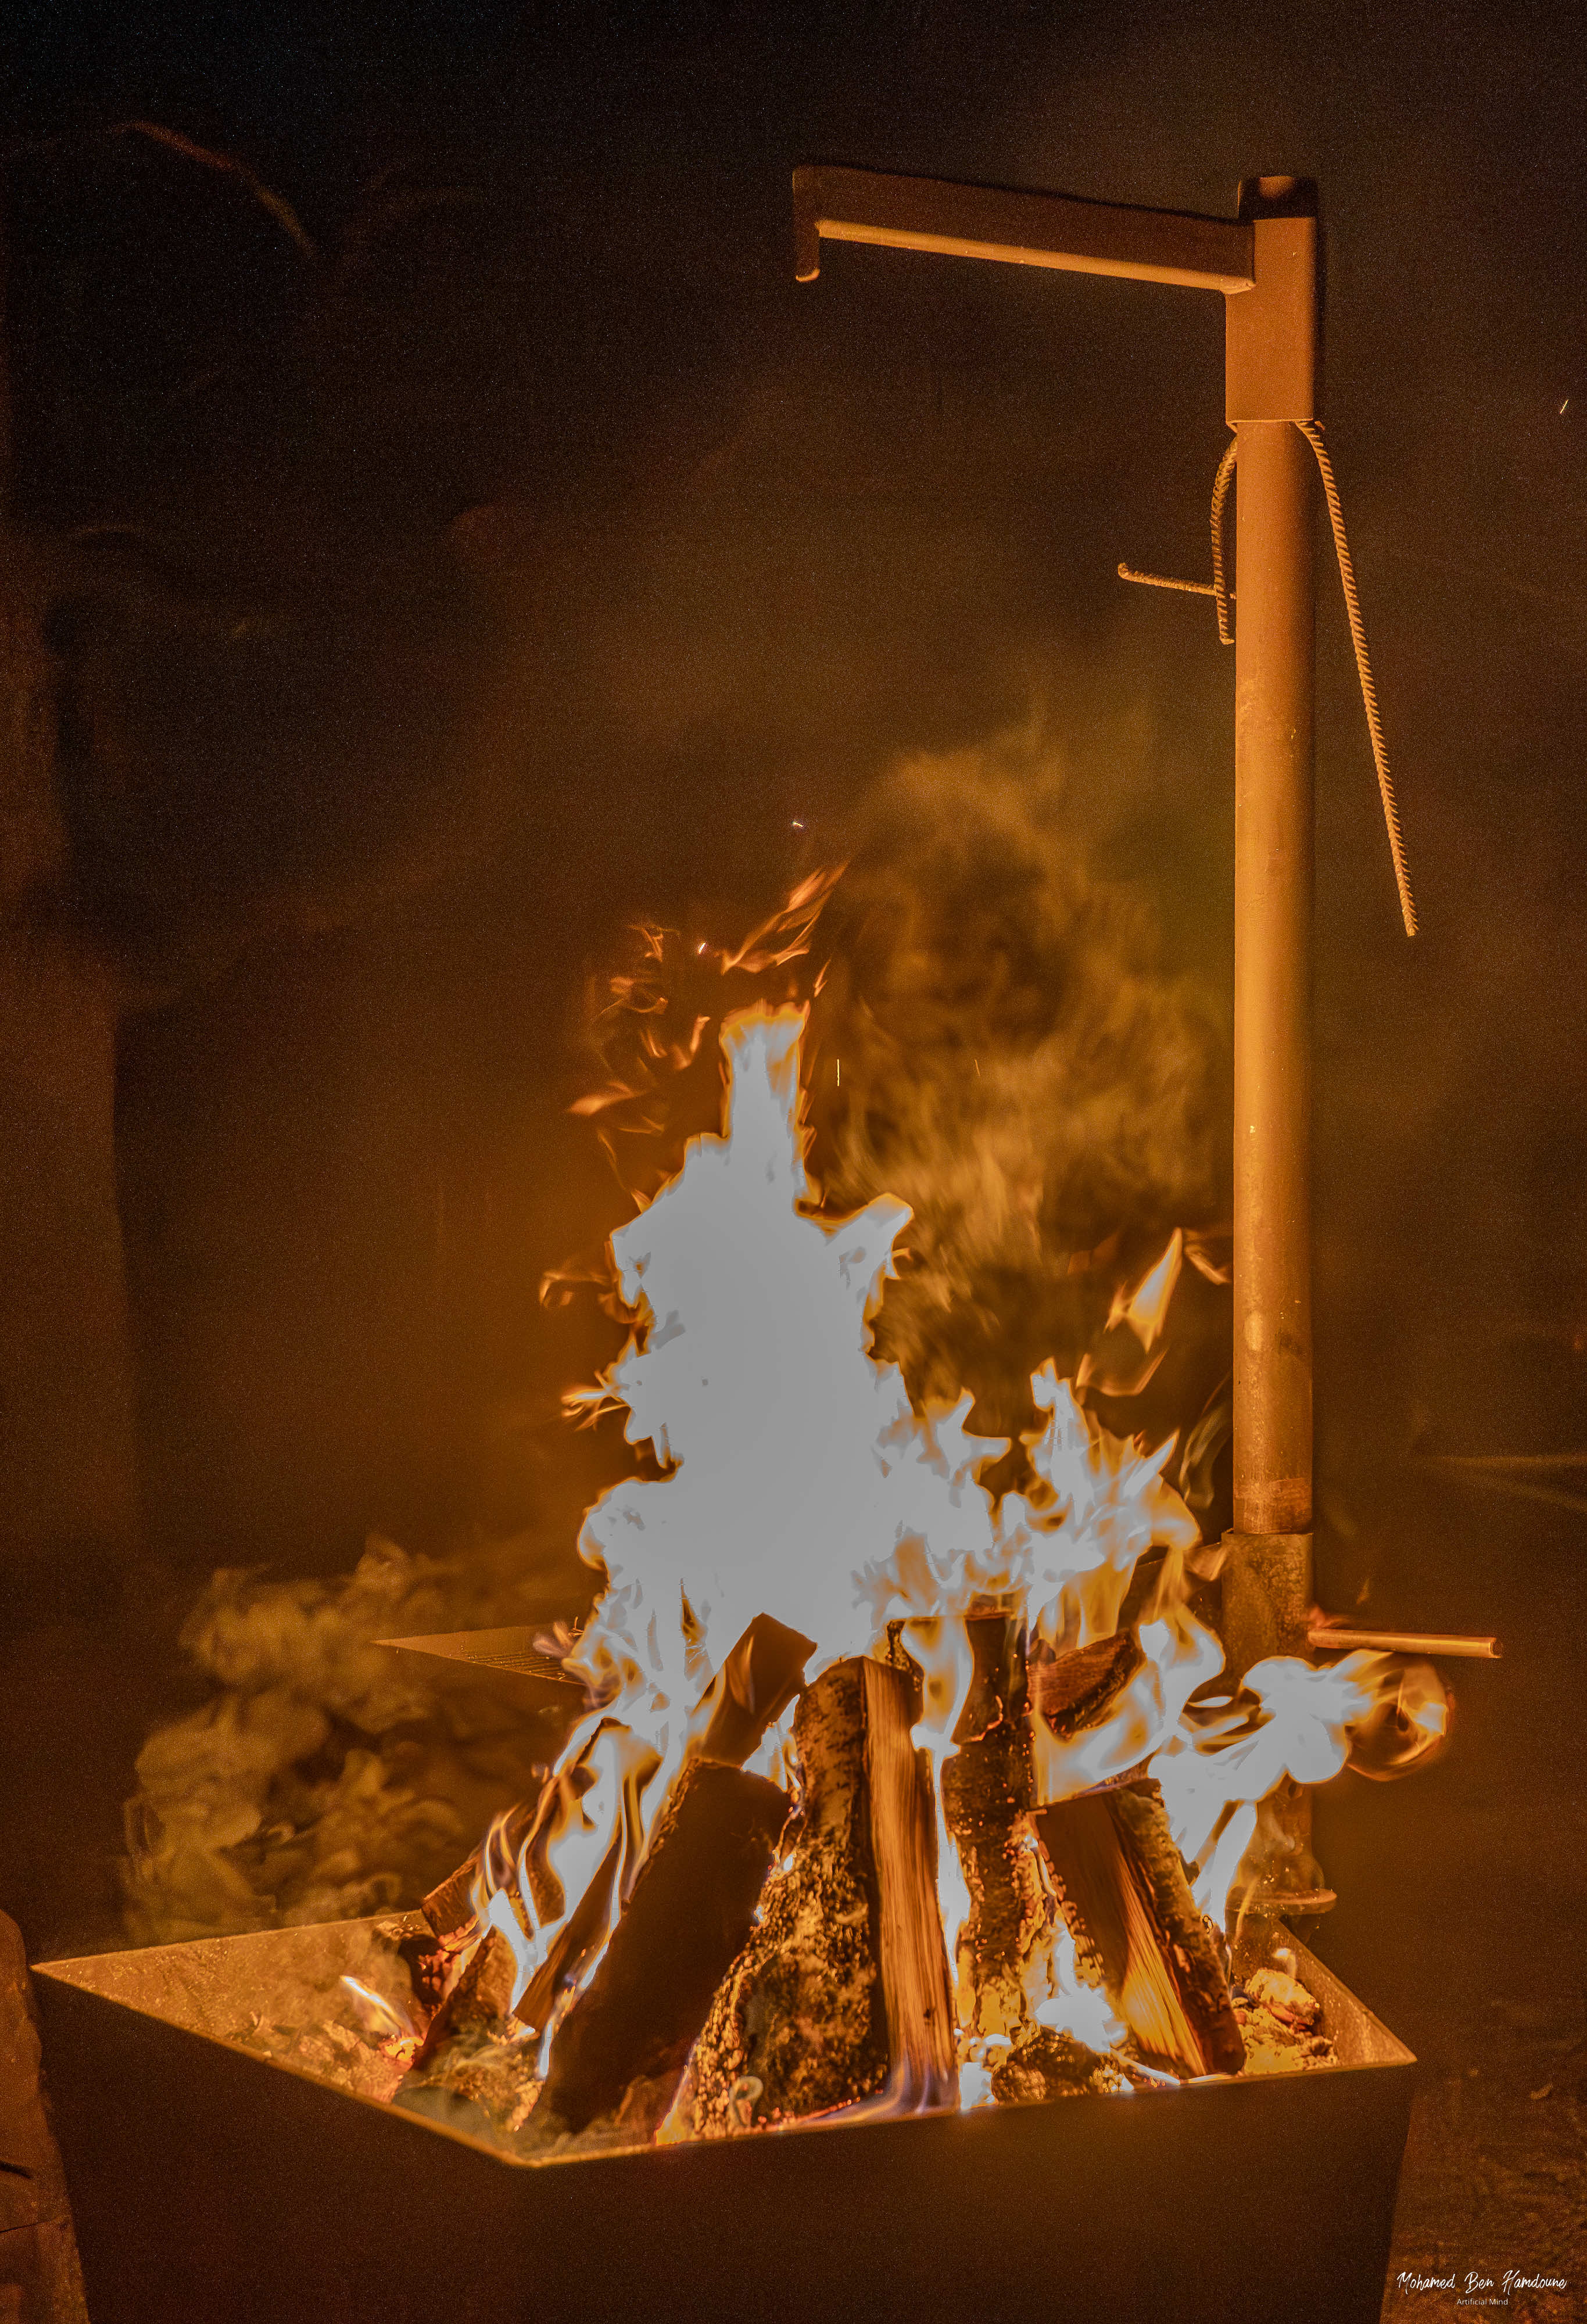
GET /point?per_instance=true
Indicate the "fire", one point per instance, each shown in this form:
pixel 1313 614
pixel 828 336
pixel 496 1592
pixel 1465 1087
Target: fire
pixel 790 1477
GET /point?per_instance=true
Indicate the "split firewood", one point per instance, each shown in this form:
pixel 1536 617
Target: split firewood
pixel 449 1906
pixel 618 2054
pixel 842 1991
pixel 478 2064
pixel 475 2066
pixel 1122 1891
pixel 986 1796
pixel 754 1686
pixel 478 2007
pixel 1079 1687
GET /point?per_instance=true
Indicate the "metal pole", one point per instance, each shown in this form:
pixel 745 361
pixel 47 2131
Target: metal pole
pixel 1273 984
pixel 1271 382
pixel 1270 377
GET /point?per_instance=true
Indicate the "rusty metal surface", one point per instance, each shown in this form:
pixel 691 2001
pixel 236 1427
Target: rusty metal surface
pixel 1270 334
pixel 1020 229
pixel 212 2187
pixel 1273 873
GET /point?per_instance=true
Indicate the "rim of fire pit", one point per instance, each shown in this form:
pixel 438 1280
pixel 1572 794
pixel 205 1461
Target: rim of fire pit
pixel 115 1978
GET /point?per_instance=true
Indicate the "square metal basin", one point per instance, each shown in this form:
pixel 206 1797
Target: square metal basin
pixel 214 2186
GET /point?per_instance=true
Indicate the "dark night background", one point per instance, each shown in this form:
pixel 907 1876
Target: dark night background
pixel 498 545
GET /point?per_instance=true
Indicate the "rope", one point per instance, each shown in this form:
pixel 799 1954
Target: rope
pixel 1220 591
pixel 1312 430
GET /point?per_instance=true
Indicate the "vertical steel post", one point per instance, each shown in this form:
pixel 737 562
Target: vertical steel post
pixel 1273 984
pixel 1271 383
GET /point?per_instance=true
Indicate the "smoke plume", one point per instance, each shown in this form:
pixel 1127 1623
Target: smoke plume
pixel 328 1776
pixel 997 1040
pixel 1002 1047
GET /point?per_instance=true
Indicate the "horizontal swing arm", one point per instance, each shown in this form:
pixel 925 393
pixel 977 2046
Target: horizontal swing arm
pixel 1024 229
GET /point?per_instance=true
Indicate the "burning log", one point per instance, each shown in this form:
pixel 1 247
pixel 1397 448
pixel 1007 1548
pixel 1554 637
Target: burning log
pixel 756 1683
pixel 842 1991
pixel 986 1795
pixel 620 2050
pixel 449 1906
pixel 618 2055
pixel 476 2067
pixel 1078 1689
pixel 482 2044
pixel 754 1686
pixel 687 1917
pixel 1123 1893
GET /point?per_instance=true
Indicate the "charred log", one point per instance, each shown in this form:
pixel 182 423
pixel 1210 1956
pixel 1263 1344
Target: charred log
pixel 618 2054
pixel 754 1686
pixel 842 1991
pixel 1077 1689
pixel 1123 1893
pixel 986 1795
pixel 476 2067
pixel 449 1906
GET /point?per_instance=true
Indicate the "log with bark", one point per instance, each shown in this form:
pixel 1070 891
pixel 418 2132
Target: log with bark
pixel 1079 1688
pixel 1001 1949
pixel 1123 1890
pixel 618 2054
pixel 842 1992
pixel 755 1684
pixel 618 2051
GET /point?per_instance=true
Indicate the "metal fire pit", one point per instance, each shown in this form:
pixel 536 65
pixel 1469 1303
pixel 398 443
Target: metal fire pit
pixel 213 2186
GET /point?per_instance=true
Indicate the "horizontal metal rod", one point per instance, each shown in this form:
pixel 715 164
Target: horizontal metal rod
pixel 1167 581
pixel 1022 229
pixel 1329 1640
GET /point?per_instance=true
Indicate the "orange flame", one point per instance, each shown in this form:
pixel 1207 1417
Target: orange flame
pixel 797 1481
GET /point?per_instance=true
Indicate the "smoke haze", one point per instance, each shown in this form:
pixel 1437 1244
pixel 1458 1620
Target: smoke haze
pixel 540 557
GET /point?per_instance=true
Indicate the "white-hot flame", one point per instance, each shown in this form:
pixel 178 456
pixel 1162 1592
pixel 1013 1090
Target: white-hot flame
pixel 797 1481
